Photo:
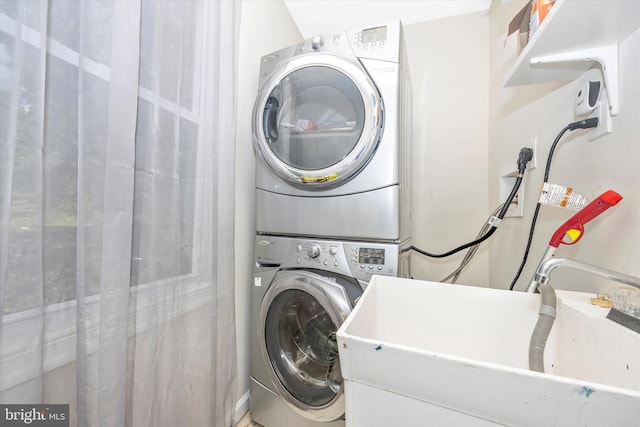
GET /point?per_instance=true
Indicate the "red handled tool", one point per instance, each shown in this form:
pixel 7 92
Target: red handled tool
pixel 574 227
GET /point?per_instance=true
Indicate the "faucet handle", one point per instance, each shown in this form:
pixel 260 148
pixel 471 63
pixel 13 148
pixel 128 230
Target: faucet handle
pixel 574 226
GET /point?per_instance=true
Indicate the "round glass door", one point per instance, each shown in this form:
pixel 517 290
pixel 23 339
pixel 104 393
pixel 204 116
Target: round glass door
pixel 318 121
pixel 300 315
pixel 301 341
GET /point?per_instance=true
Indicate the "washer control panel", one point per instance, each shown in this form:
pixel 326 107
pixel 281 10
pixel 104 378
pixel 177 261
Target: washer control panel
pixel 366 259
pixel 356 259
pixel 318 254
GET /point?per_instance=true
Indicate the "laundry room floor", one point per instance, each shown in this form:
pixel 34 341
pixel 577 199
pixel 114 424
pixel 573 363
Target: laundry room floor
pixel 246 421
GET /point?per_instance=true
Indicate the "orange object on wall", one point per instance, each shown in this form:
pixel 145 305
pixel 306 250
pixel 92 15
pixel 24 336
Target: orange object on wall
pixel 539 11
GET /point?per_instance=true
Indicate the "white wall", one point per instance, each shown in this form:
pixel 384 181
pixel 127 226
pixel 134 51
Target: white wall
pixel 320 17
pixel 265 26
pixel 449 64
pixel 520 114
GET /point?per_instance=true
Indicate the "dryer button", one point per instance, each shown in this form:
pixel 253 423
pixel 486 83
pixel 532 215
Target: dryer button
pixel 317 42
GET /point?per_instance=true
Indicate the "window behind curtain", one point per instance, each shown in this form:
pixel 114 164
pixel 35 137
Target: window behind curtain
pixel 43 212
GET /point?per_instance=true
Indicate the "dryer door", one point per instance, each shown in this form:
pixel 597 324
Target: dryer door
pixel 318 120
pixel 299 317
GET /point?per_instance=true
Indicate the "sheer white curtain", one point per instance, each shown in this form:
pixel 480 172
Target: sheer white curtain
pixel 116 212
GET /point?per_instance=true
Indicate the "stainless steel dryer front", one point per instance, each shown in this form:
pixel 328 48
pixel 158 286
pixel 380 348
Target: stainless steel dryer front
pixel 330 129
pixel 303 290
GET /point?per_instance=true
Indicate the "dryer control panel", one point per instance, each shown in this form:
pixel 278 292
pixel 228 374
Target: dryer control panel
pixel 379 42
pixel 357 259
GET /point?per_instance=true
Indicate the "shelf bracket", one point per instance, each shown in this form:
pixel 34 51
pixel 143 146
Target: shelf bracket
pixel 606 56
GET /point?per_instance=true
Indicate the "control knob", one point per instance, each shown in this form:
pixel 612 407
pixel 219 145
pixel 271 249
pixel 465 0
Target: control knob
pixel 317 42
pixel 314 251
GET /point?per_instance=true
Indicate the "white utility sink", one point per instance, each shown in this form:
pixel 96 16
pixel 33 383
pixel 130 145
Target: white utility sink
pixel 452 355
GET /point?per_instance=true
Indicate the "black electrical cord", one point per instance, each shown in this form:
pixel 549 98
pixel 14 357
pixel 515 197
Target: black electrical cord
pixel 524 156
pixel 581 124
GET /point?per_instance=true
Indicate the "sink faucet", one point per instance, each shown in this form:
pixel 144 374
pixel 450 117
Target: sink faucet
pixel 568 234
pixel 545 268
pixel 547 312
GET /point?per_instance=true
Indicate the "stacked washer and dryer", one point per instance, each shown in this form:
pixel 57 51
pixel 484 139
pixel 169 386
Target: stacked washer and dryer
pixel 330 129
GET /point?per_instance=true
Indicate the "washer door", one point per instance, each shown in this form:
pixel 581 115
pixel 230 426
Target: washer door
pixel 299 317
pixel 318 120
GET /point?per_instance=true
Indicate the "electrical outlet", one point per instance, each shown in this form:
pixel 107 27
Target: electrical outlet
pixel 516 209
pixel 533 163
pixel 604 118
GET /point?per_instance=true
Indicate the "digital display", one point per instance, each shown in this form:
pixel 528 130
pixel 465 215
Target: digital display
pixel 371 256
pixel 374 34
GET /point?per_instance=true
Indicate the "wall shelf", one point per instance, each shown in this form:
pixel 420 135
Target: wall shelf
pixel 574 36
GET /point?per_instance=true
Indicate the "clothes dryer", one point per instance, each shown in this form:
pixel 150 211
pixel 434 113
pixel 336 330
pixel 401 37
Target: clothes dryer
pixel 303 290
pixel 331 130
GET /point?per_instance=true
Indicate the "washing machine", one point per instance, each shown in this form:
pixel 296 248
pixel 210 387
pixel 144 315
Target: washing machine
pixel 303 290
pixel 331 126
